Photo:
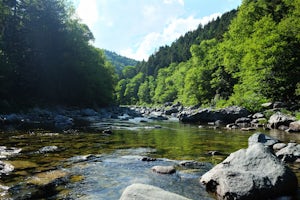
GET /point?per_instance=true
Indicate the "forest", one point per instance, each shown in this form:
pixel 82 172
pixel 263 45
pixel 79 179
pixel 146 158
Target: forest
pixel 245 57
pixel 46 58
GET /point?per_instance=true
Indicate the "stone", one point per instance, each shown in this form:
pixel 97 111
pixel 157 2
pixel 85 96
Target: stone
pixel 192 164
pixel 261 138
pixel 232 126
pixel 258 115
pixel 243 120
pixel 283 128
pixel 267 105
pixel 8 151
pixel 107 131
pixel 214 153
pixel 140 191
pixel 148 159
pixel 248 129
pixel 171 111
pixel 5 168
pixel 294 126
pixel 226 115
pixel 48 149
pixel 278 104
pixel 46 178
pixel 40 186
pixel 279 119
pixel 279 146
pixel 164 169
pixel 290 153
pixel 252 173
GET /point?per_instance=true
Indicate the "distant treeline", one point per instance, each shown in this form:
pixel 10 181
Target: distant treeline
pixel 118 61
pixel 246 57
pixel 46 57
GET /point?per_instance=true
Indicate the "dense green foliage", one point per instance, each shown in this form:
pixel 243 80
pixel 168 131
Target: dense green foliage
pixel 179 51
pixel 255 61
pixel 118 61
pixel 46 57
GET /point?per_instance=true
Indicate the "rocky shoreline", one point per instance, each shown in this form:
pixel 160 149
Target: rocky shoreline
pixel 234 117
pixel 263 164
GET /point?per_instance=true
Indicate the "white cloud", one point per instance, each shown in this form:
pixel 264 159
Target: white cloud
pixel 181 2
pixel 88 12
pixel 169 34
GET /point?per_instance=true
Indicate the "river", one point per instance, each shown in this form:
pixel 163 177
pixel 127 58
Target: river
pixel 101 166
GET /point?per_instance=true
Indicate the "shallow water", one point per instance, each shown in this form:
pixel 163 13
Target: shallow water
pixel 116 163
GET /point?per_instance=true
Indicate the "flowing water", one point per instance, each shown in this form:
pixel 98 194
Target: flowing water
pixel 101 166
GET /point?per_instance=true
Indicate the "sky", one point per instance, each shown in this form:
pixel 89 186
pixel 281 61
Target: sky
pixel 137 28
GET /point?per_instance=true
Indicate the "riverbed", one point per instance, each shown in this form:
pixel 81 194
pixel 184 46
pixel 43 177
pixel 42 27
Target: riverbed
pixel 101 165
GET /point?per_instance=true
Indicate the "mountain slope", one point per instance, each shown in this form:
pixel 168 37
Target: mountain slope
pixel 119 61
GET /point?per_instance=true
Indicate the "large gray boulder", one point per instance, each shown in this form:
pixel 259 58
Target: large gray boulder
pixel 253 173
pixel 139 191
pixel 226 115
pixel 279 119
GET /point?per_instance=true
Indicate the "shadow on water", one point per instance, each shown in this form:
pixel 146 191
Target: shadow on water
pixel 115 159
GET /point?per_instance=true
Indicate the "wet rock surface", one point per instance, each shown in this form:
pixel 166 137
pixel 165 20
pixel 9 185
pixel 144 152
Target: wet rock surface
pixel 253 173
pixel 164 169
pixel 149 192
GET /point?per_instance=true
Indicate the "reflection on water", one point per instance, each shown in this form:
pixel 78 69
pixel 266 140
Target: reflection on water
pixel 116 161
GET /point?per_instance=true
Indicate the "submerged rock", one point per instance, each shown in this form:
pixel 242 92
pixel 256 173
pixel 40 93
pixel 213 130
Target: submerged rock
pixel 142 191
pixel 253 173
pixel 41 186
pixel 191 164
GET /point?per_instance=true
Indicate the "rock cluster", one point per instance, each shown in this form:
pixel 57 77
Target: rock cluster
pixel 253 173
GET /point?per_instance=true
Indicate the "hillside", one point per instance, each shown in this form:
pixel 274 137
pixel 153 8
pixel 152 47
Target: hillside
pixel 119 61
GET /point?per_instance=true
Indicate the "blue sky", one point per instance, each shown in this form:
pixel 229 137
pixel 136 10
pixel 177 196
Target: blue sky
pixel 136 28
